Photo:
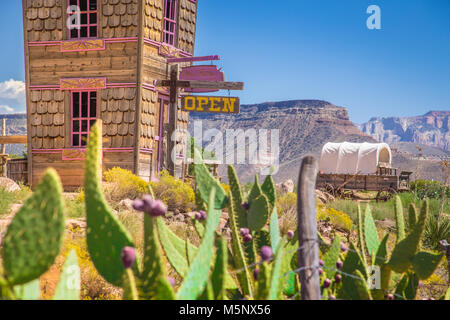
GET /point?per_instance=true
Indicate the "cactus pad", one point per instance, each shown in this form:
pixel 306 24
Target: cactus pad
pixel 195 281
pixel 399 219
pixel 424 263
pixel 206 182
pixel 34 237
pixel 258 213
pixel 106 236
pixel 370 232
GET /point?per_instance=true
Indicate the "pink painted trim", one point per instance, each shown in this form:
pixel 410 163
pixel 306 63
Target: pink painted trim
pixel 108 85
pixel 45 87
pixel 146 150
pixel 121 85
pixel 43 43
pixel 150 87
pixel 126 39
pixel 193 59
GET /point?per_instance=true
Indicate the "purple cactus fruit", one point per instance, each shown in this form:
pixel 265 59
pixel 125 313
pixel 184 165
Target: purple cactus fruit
pixel 247 238
pixel 290 235
pixel 171 281
pixel 200 216
pixel 420 284
pixel 331 297
pixel 320 271
pixel 245 206
pixel 326 283
pixel 158 209
pixel 128 257
pixel 321 263
pixel 266 253
pixel 244 231
pixel 430 298
pixel 343 248
pixel 138 205
pixel 390 296
pixel 338 278
pixel 255 274
pixel 339 265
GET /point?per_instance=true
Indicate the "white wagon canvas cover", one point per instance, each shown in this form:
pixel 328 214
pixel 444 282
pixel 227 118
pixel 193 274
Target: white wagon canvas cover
pixel 351 158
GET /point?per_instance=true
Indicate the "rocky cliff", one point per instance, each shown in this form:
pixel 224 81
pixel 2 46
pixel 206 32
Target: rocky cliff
pixel 431 129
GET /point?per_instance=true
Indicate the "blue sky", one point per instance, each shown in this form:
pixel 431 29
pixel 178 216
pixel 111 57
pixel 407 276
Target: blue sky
pixel 305 49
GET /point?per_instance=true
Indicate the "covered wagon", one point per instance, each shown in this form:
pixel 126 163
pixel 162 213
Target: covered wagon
pixel 360 166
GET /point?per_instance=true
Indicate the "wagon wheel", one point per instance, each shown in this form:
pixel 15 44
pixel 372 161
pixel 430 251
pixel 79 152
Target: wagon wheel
pixel 330 189
pixel 348 194
pixel 385 194
pixel 340 193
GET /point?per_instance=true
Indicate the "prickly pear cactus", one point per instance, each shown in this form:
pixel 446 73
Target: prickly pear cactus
pixel 153 279
pixel 106 236
pixel 235 188
pixel 34 237
pixel 196 279
pixel 268 188
pixel 406 249
pixel 370 232
pixel 238 251
pixel 220 270
pixel 399 219
pixel 206 182
pixel 258 213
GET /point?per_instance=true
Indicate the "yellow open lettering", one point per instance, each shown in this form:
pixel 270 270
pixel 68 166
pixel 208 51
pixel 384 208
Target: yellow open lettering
pixel 229 104
pixel 202 101
pixel 214 105
pixel 189 103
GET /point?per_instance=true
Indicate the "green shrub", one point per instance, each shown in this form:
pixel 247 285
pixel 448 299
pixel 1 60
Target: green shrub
pixel 124 184
pixel 429 189
pixel 176 194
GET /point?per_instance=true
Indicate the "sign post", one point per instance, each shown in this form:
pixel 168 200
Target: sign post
pixel 195 104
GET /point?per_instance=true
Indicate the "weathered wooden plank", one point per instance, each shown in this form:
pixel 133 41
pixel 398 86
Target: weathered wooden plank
pixel 13 139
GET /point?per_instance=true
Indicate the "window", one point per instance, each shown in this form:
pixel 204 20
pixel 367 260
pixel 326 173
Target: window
pixel 170 21
pixel 86 26
pixel 84 114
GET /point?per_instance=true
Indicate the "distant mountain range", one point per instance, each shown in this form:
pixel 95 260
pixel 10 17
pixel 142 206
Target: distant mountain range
pixel 306 125
pixel 431 129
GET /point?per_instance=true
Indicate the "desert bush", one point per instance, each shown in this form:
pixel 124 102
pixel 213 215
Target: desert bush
pixel 287 211
pixel 123 184
pixel 337 218
pixel 6 199
pixel 436 230
pixel 176 194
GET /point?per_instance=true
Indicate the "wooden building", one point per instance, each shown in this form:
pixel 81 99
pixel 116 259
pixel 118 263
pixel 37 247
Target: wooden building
pixel 98 59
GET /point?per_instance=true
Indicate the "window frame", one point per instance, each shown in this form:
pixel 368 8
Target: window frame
pixel 88 23
pixel 170 37
pixel 80 117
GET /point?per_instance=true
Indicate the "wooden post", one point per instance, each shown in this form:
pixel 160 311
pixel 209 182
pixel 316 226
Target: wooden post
pixel 308 256
pixel 3 150
pixel 173 119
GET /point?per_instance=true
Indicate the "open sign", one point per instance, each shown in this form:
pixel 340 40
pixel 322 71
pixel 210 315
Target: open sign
pixel 211 104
